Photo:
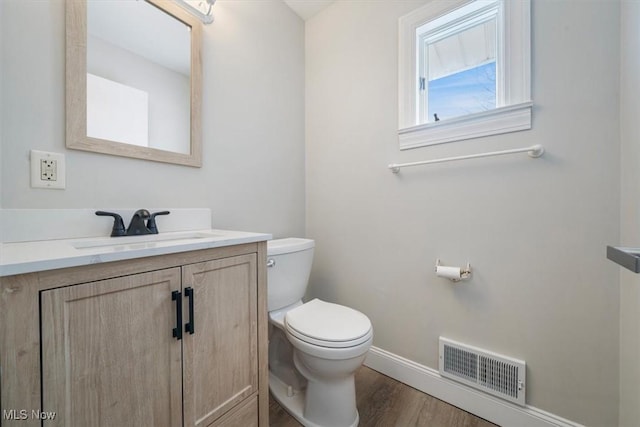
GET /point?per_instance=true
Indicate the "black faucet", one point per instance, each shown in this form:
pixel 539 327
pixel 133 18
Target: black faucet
pixel 137 227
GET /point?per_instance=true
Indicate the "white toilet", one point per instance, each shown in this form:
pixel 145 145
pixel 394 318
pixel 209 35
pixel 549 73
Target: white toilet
pixel 315 347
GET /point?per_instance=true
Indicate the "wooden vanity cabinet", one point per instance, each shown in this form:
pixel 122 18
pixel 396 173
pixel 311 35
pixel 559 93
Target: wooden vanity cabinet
pixel 107 352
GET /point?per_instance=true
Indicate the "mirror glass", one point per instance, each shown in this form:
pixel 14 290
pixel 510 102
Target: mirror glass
pixel 133 80
pixel 138 75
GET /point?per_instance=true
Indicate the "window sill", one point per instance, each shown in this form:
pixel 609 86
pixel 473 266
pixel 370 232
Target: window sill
pixel 494 122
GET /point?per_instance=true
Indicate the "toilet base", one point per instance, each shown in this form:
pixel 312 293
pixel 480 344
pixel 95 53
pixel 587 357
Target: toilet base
pixel 294 404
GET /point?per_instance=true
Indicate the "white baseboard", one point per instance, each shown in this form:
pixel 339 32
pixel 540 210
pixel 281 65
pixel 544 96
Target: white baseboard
pixel 485 406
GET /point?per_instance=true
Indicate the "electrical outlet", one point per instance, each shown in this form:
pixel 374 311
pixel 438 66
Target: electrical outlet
pixel 47 170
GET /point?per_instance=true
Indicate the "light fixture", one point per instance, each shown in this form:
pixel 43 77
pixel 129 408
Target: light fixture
pixel 199 8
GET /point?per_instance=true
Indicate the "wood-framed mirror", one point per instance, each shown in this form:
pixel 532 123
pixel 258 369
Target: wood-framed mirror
pixel 134 80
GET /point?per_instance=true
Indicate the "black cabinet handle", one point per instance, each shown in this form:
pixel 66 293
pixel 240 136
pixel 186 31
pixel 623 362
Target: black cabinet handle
pixel 177 331
pixel 191 326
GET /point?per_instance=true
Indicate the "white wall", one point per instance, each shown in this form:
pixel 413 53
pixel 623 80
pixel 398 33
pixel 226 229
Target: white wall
pixel 534 231
pixel 630 213
pixel 253 107
pixel 169 92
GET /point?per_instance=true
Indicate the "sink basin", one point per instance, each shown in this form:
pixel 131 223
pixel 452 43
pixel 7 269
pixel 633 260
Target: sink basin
pixel 148 238
pixel 629 258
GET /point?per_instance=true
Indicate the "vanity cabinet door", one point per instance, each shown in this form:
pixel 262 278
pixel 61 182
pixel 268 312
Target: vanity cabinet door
pixel 108 355
pixel 220 357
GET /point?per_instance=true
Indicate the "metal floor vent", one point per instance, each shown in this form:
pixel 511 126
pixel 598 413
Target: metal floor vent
pixel 490 372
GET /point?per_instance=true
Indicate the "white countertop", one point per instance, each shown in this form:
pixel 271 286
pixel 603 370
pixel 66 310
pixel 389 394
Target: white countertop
pixel 29 257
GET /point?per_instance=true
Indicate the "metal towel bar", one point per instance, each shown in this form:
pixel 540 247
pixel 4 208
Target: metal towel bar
pixel 534 151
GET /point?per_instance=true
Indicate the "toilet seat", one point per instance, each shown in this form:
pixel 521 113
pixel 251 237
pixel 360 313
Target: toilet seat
pixel 328 325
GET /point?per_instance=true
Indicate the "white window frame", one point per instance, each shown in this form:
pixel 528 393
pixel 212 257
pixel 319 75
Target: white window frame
pixel 513 97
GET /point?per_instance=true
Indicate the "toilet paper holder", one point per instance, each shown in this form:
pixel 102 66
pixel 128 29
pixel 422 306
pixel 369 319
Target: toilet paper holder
pixel 455 274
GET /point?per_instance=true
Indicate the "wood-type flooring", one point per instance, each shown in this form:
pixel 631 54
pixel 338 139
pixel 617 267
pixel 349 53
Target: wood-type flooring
pixel 385 402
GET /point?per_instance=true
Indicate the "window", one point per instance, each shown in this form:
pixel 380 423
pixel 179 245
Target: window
pixel 464 71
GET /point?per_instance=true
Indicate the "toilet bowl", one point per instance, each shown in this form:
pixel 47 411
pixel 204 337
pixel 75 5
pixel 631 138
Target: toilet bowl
pixel 314 347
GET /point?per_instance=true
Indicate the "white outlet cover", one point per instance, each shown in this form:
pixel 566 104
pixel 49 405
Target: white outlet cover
pixel 36 181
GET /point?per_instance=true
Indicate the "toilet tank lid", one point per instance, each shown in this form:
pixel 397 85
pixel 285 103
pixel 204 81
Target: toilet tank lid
pixel 288 245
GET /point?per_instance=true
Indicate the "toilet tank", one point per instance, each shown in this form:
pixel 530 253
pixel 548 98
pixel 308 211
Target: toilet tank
pixel 288 275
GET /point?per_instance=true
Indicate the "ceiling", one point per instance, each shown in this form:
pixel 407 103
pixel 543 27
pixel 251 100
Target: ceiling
pixel 307 8
pixel 142 29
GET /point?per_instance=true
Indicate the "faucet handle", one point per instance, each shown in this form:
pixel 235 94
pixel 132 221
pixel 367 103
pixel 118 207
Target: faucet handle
pixel 151 223
pixel 118 224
